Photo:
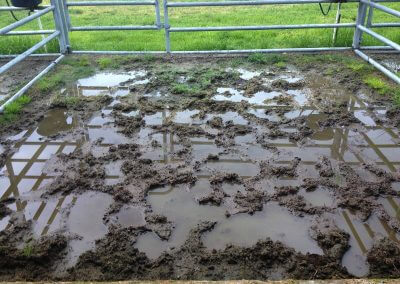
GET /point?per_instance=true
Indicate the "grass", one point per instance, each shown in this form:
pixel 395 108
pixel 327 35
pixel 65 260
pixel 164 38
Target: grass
pixel 69 70
pixel 383 88
pixel 28 250
pixel 12 110
pixel 202 16
pixel 377 84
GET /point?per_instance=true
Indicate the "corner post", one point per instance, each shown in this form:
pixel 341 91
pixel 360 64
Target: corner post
pixel 361 15
pixel 61 25
pixel 167 27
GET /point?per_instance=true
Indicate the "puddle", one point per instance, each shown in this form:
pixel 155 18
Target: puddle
pixel 86 222
pixel 129 216
pixel 114 84
pixel 180 207
pixel 82 215
pixel 273 222
pixel 236 96
pixel 245 74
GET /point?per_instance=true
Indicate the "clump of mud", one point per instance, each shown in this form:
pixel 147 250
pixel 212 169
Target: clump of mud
pixel 384 259
pixel 35 260
pixel 116 258
pixel 4 210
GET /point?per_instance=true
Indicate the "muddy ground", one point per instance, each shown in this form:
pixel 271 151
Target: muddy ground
pixel 204 168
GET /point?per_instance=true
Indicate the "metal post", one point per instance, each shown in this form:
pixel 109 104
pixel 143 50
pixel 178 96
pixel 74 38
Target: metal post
pixel 43 37
pixel 66 14
pixel 158 17
pixel 362 11
pixel 337 21
pixel 60 26
pixel 166 27
pixel 370 15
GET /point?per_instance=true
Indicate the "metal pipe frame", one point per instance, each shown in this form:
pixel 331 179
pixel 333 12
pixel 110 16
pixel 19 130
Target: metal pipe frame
pixel 247 3
pixel 25 20
pixel 377 49
pixel 30 83
pixel 31 50
pixel 112 3
pixel 113 28
pixel 38 32
pixel 385 25
pixel 379 37
pixel 32 55
pixel 12 8
pixel 259 2
pixel 255 28
pixel 361 28
pixel 382 8
pixel 378 66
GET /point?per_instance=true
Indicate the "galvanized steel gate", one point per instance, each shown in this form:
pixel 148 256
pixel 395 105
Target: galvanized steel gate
pixel 59 9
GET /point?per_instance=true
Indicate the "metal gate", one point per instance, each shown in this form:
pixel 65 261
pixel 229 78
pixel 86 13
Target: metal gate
pixel 59 9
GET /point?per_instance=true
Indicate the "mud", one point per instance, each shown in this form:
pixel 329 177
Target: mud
pixel 36 259
pixel 384 259
pixel 195 169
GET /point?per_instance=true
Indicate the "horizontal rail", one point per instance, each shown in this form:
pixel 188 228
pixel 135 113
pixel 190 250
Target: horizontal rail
pixel 114 28
pixel 32 55
pixel 41 32
pixel 378 66
pixel 385 25
pixel 379 37
pixel 382 8
pixel 112 3
pixel 31 50
pixel 25 20
pixel 105 52
pixel 110 52
pixel 253 28
pixel 12 8
pixel 248 3
pixel 30 83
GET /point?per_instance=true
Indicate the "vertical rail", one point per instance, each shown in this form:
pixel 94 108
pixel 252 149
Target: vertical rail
pixel 66 14
pixel 158 17
pixel 167 27
pixel 370 16
pixel 60 24
pixel 361 15
pixel 337 21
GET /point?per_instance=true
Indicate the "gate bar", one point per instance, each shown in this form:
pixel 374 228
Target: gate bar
pixel 25 20
pixel 30 83
pixel 112 3
pixel 12 8
pixel 379 37
pixel 382 8
pixel 255 3
pixel 31 50
pixel 304 50
pixel 111 28
pixel 253 28
pixel 32 55
pixel 39 32
pixel 385 25
pixel 378 66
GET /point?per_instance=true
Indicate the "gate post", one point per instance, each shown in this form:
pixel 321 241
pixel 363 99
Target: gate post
pixel 60 21
pixel 166 27
pixel 361 15
pixel 158 17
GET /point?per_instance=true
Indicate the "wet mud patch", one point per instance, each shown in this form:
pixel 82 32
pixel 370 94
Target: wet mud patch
pixel 202 170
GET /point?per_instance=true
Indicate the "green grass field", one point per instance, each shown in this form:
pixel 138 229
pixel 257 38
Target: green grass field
pixel 205 16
